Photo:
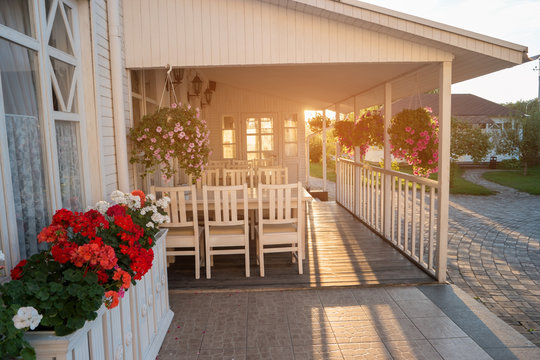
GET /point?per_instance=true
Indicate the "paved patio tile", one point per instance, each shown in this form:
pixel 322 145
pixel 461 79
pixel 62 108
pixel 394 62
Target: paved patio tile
pixel 518 353
pixel 345 313
pixel 267 335
pixel 397 329
pixel 405 293
pixel 312 334
pixel 225 335
pixel 270 353
pixel 354 332
pixel 318 352
pixel 459 349
pixel 420 308
pixel 372 295
pixel 306 315
pixel 367 350
pixel 178 355
pixel 227 353
pixel 340 297
pixel 383 310
pixel 412 349
pixel 438 328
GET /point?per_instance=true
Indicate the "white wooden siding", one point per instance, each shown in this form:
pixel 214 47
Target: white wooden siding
pixel 236 32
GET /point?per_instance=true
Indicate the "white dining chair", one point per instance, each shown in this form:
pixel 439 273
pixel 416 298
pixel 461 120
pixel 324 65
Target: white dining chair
pixel 273 175
pixel 238 164
pixel 210 177
pixel 278 228
pixel 238 177
pixel 218 164
pixel 184 237
pixel 258 163
pixel 225 232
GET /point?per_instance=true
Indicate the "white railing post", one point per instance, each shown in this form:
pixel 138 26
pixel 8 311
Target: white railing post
pixel 387 159
pixel 445 82
pixel 324 152
pixel 356 192
pixel 338 168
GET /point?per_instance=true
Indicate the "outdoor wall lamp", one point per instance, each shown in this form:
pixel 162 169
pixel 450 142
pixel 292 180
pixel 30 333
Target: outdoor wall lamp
pixel 177 75
pixel 208 93
pixel 197 87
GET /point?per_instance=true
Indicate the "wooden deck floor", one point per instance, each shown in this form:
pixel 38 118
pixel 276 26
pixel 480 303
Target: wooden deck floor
pixel 340 251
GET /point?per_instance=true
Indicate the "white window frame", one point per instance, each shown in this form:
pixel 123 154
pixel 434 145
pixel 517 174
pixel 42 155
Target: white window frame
pixel 275 132
pixel 235 143
pixel 8 232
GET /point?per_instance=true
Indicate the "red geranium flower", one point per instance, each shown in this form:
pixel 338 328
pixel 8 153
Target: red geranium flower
pixel 63 251
pixel 16 273
pixel 116 210
pixel 140 194
pixel 111 299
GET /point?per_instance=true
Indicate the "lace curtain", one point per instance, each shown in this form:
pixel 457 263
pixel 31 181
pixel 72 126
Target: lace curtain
pixel 69 165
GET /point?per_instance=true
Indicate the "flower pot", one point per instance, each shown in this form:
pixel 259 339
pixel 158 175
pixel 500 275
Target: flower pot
pixel 135 329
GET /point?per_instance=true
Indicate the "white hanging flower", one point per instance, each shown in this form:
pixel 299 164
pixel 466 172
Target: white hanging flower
pixel 150 224
pixel 118 197
pixel 150 197
pixel 157 218
pixel 27 316
pixel 133 201
pixel 2 256
pixel 102 207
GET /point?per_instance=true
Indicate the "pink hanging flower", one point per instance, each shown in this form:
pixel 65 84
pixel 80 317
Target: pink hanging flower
pixel 158 129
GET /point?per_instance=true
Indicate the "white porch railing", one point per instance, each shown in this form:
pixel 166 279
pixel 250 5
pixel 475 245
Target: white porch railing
pixel 135 329
pixel 399 207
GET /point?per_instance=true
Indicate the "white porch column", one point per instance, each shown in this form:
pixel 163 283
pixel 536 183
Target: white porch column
pixel 445 98
pixel 324 152
pixel 338 186
pixel 307 161
pixel 387 159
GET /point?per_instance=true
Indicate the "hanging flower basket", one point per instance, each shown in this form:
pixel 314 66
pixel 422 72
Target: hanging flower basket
pixel 175 132
pixel 367 131
pixel 414 137
pixel 316 123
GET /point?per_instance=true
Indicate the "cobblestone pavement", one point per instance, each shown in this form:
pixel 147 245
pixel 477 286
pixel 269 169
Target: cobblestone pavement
pixel 494 252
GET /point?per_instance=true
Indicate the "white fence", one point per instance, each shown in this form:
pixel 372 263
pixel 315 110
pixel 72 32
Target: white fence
pixel 135 329
pixel 399 207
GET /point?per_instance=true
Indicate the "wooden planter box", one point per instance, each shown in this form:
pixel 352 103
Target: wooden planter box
pixel 135 329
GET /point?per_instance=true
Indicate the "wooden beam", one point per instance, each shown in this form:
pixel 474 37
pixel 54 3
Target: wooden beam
pixel 445 98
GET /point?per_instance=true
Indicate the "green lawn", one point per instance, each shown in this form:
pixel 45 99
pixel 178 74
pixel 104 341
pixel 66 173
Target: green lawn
pixel 459 185
pixel 515 179
pixel 315 170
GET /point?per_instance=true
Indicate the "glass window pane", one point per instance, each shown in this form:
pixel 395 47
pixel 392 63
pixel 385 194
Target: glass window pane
pixel 150 85
pixel 16 14
pixel 291 149
pixel 64 76
pixel 291 121
pixel 228 123
pixel 136 103
pixel 290 135
pixel 251 156
pixel 267 125
pixel 251 126
pixel 20 85
pixel 252 143
pixel 151 108
pixel 59 38
pixel 267 142
pixel 69 165
pixel 228 137
pixel 229 151
pixel 136 82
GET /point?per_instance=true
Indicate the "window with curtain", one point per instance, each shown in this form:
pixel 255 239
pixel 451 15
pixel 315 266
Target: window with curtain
pixel 290 139
pixel 228 138
pixel 37 116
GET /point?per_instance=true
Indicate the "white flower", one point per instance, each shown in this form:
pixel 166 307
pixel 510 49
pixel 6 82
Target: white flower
pixel 118 197
pixel 163 202
pixel 150 224
pixel 27 317
pixel 2 256
pixel 157 218
pixel 150 197
pixel 102 206
pixel 134 201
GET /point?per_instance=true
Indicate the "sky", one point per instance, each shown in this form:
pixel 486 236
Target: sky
pixel 516 21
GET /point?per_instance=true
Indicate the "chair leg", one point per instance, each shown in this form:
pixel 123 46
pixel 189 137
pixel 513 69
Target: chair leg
pixel 207 261
pixel 261 258
pixel 202 256
pixel 247 262
pixel 300 262
pixel 197 265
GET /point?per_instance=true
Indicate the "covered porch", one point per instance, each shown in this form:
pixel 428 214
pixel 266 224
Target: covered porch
pixel 272 60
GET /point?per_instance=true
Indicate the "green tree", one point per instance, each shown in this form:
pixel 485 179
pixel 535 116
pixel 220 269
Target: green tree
pixel 468 140
pixel 523 139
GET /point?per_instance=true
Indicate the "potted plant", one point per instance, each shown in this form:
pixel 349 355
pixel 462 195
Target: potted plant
pixel 316 123
pixel 366 131
pixel 94 258
pixel 175 132
pixel 414 137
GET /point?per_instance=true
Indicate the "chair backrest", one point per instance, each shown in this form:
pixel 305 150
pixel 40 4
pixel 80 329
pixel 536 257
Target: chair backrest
pixel 218 164
pixel 238 164
pixel 178 211
pixel 281 202
pixel 209 177
pixel 225 201
pixel 238 177
pixel 258 163
pixel 273 175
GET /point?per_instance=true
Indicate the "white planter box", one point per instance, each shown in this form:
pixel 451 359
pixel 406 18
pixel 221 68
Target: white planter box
pixel 135 329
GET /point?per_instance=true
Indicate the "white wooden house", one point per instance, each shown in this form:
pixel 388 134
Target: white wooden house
pixel 76 74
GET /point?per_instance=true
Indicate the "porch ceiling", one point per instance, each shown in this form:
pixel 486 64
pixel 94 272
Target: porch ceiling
pixel 315 85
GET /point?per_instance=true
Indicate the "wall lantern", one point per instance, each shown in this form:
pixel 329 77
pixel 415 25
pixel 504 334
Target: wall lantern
pixel 208 93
